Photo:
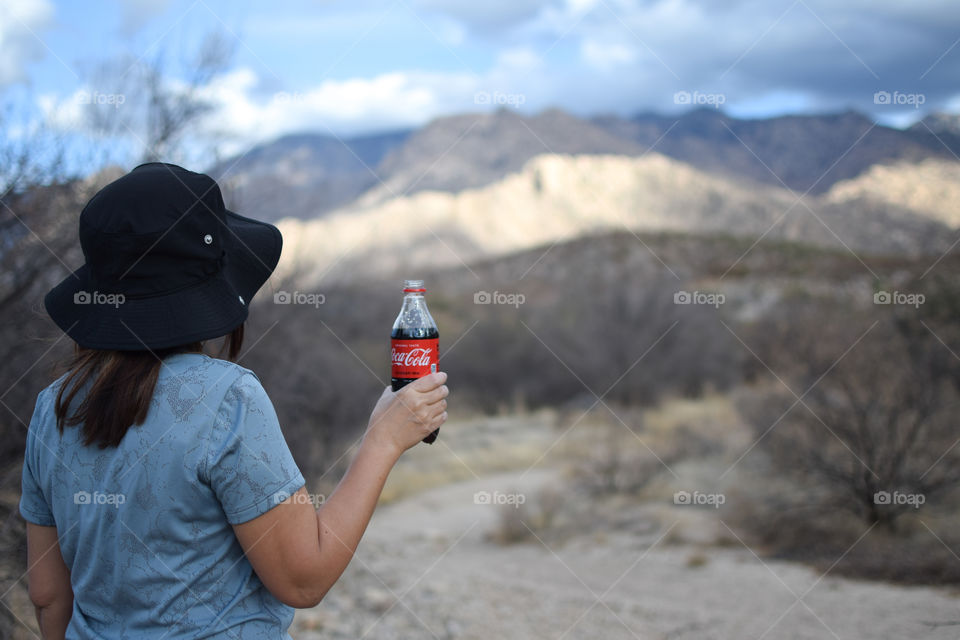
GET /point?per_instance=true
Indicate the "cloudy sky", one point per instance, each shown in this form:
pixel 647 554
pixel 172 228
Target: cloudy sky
pixel 359 66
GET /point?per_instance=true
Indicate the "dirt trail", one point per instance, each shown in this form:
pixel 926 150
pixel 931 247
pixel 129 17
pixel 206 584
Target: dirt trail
pixel 426 570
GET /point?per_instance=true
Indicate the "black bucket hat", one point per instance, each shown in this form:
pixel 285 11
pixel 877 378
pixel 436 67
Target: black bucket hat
pixel 166 263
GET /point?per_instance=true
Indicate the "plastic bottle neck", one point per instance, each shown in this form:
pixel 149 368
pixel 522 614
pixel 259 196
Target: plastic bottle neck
pixel 413 301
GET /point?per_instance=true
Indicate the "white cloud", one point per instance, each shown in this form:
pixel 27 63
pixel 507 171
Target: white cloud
pixel 62 114
pixel 243 114
pixel 578 6
pixel 340 107
pixel 20 30
pixel 519 59
pixel 605 56
pixel 952 105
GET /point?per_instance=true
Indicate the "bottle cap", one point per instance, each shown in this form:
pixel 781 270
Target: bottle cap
pixel 413 286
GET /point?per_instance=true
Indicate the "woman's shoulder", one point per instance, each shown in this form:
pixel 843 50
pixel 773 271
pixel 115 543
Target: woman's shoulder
pixel 48 395
pixel 205 374
pixel 207 371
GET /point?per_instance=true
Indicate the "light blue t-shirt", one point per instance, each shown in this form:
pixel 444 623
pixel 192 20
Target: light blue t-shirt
pixel 145 528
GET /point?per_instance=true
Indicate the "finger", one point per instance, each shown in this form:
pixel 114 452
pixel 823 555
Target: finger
pixel 435 410
pixel 430 382
pixel 433 422
pixel 436 395
pixel 437 407
pixel 428 412
pixel 440 406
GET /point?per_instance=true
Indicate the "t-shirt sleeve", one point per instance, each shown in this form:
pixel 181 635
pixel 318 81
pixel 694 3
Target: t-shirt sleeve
pixel 248 463
pixel 34 506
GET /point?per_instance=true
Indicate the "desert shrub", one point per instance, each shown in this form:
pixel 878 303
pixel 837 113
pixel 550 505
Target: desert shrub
pixel 868 412
pixel 513 524
pixel 857 461
pixel 545 514
pixel 780 525
pixel 624 458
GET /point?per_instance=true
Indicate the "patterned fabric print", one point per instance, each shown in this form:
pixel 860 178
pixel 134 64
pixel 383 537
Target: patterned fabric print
pixel 145 527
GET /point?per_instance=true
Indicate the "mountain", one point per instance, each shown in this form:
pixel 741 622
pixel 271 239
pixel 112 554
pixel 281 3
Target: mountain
pixel 939 124
pixel 472 150
pixel 304 175
pixel 799 152
pixel 555 198
pixel 308 175
pixel 930 188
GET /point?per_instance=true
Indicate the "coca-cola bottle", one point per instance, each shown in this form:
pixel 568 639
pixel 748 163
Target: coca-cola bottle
pixel 414 341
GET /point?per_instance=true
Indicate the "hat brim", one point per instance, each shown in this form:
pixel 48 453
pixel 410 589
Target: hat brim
pixel 206 310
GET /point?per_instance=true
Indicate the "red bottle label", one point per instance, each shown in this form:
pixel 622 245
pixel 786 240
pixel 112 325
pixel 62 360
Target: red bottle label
pixel 413 358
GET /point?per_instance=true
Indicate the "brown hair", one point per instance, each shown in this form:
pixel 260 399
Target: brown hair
pixel 123 383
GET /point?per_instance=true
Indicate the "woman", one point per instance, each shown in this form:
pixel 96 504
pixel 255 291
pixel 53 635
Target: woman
pixel 160 496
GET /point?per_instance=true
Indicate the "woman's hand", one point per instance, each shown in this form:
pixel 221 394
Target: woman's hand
pixel 402 419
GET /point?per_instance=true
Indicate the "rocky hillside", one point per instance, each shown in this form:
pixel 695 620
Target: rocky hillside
pixel 556 198
pixel 930 188
pixel 472 150
pixel 801 152
pixel 943 125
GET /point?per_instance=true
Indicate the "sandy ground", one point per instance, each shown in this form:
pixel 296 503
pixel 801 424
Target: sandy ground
pixel 427 570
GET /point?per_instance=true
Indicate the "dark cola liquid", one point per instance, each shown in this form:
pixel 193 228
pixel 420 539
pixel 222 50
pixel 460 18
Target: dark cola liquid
pixel 399 383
